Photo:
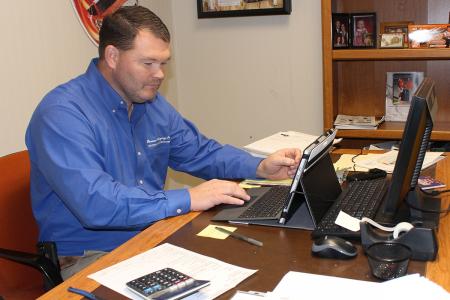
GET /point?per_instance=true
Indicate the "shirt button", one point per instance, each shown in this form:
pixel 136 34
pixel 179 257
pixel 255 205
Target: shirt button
pixel 139 153
pixel 113 110
pixel 121 102
pixel 141 182
pixel 179 211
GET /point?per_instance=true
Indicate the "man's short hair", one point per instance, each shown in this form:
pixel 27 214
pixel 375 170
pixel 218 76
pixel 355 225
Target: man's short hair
pixel 120 28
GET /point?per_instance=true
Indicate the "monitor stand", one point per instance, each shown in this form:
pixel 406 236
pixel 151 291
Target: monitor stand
pixel 408 213
pixel 426 204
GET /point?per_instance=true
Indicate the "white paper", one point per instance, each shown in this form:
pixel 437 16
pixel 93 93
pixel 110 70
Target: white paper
pixel 413 287
pixel 281 140
pixel 348 222
pixel 295 285
pixel 386 161
pixel 222 276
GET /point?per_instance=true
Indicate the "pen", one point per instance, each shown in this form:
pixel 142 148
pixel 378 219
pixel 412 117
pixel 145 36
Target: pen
pixel 240 236
pixel 83 293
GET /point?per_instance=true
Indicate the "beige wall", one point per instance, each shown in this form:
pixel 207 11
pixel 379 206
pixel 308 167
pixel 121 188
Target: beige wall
pixel 237 78
pixel 241 79
pixel 43 45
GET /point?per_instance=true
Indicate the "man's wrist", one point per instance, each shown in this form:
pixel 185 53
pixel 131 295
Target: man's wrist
pixel 260 170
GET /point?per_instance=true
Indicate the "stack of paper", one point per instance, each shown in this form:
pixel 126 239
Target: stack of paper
pixel 280 140
pixel 386 161
pixel 357 122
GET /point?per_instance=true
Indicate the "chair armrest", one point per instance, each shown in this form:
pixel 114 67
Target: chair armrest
pixel 51 273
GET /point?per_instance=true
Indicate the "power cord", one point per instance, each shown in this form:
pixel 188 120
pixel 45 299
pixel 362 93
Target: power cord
pixel 354 157
pixel 443 211
pixel 434 193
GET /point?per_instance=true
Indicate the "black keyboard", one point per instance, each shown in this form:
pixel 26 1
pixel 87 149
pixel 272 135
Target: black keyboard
pixel 269 206
pixel 360 199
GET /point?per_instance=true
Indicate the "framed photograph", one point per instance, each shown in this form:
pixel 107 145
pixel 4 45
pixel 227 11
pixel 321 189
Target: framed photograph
pixel 340 33
pixel 237 8
pixel 392 40
pixel 364 30
pixel 396 27
pixel 429 36
pixel 400 87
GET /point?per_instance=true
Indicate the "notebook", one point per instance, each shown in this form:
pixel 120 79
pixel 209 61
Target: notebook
pixel 290 206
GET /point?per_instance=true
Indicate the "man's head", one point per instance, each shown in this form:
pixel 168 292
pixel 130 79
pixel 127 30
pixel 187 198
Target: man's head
pixel 338 24
pixel 133 49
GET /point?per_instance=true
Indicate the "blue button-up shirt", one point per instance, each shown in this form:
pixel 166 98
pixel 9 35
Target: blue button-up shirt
pixel 97 175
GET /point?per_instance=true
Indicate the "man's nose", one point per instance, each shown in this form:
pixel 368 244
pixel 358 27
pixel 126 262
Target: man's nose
pixel 159 72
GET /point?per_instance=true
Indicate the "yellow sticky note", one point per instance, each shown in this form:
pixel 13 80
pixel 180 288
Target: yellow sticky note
pixel 211 232
pixel 248 186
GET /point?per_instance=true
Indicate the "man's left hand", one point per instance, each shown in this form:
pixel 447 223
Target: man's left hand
pixel 279 165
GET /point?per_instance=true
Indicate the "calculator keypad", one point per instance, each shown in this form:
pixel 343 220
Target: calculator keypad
pixel 160 281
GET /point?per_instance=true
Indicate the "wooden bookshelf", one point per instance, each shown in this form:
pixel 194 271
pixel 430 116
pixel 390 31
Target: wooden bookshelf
pixel 391 54
pixel 354 80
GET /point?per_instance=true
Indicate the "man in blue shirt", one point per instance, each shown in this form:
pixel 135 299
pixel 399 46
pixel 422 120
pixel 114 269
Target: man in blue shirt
pixel 100 146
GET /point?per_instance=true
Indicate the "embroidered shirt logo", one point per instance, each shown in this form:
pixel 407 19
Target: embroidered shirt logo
pixel 158 141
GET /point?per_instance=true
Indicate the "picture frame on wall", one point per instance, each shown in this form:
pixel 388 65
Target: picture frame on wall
pixel 364 30
pixel 238 8
pixel 340 30
pixel 397 27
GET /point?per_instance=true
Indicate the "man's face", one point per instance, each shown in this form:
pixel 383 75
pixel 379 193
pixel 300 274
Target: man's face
pixel 139 72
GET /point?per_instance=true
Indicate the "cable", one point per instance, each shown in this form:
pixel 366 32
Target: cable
pixel 434 193
pixel 353 159
pixel 443 211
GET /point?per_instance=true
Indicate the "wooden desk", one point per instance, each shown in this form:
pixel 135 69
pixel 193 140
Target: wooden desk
pixel 284 249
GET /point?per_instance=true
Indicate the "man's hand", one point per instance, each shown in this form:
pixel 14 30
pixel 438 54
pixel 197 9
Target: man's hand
pixel 214 192
pixel 279 165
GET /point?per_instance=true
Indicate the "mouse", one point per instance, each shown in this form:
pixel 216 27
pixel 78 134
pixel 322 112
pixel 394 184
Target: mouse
pixel 333 247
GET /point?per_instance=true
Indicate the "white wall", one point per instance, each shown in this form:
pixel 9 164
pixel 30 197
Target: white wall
pixel 42 46
pixel 241 79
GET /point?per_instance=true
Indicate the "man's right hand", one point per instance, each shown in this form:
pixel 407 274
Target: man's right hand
pixel 214 192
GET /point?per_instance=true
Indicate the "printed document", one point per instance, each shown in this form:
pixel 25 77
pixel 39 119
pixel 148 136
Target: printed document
pixel 280 140
pixel 223 276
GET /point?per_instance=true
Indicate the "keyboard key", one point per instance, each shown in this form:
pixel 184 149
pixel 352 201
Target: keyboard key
pixel 361 199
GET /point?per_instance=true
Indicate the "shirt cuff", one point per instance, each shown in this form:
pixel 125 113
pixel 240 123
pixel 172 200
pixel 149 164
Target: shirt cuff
pixel 251 165
pixel 178 202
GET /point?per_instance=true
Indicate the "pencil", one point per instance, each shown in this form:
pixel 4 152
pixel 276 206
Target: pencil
pixel 240 236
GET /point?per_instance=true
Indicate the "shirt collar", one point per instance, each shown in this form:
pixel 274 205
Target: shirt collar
pixel 110 97
pixel 100 85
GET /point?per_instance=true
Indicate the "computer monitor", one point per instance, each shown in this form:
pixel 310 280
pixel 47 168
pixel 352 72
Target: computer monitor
pixel 416 136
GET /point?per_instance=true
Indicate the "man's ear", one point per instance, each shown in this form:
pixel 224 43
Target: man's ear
pixel 111 56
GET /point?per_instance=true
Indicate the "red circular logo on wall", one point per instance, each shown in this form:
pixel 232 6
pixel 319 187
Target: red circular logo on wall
pixel 91 13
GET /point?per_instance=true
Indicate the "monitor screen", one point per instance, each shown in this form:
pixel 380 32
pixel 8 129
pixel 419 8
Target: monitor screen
pixel 414 143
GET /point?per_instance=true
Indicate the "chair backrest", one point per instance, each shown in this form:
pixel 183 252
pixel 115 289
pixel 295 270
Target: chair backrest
pixel 18 228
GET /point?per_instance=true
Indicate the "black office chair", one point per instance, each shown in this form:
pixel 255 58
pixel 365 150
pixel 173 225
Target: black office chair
pixel 19 234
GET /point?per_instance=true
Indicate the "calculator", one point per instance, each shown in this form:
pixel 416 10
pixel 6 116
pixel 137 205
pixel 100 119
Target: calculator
pixel 165 284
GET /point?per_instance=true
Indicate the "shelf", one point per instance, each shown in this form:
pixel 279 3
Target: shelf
pixel 394 130
pixel 354 80
pixel 391 54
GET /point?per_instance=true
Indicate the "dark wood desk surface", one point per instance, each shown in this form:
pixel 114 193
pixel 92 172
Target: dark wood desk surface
pixel 283 250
